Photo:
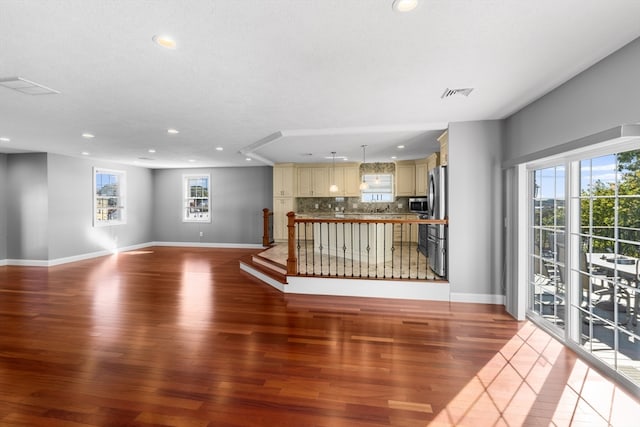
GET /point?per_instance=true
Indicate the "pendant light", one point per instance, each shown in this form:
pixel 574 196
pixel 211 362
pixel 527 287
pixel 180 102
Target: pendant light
pixel 333 188
pixel 363 184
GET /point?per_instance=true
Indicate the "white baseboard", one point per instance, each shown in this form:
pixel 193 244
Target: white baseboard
pixel 405 289
pixel 3 262
pixel 401 289
pixel 97 254
pixel 28 262
pixel 478 298
pixel 90 255
pixel 211 245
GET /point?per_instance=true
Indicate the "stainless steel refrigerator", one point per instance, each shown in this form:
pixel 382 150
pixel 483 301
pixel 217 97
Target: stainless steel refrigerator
pixel 436 233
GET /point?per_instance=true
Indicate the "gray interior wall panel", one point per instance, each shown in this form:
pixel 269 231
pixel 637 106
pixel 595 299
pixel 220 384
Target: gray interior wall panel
pixel 71 208
pixel 475 207
pixel 3 206
pixel 27 208
pixel 602 97
pixel 238 195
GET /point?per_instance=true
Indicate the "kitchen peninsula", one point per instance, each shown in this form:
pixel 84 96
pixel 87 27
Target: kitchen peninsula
pixel 352 240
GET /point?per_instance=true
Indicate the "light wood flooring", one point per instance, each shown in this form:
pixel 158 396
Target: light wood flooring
pixel 405 263
pixel 182 337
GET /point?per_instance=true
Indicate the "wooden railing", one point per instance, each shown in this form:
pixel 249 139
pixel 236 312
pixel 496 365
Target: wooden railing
pixel 359 247
pixel 267 226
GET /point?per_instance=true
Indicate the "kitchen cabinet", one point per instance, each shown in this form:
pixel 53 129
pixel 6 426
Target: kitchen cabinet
pixel 281 206
pixel 283 180
pixel 433 161
pixel 422 177
pixel 373 244
pixel 405 178
pixel 313 181
pixel 347 178
pixel 406 232
pixel 444 148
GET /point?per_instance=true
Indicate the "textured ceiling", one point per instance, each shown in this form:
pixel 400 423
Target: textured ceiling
pixel 277 80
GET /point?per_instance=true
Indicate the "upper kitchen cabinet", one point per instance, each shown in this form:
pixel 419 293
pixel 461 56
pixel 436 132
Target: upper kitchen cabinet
pixel 444 148
pixel 347 178
pixel 283 180
pixel 433 161
pixel 421 177
pixel 406 178
pixel 313 181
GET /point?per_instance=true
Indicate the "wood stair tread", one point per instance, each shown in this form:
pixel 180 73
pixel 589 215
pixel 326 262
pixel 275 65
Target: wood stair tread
pixel 268 267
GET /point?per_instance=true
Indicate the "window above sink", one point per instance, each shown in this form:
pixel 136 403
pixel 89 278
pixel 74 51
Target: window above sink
pixel 379 188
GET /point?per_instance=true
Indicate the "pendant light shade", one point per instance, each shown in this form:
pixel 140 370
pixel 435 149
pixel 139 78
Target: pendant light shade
pixel 363 184
pixel 333 188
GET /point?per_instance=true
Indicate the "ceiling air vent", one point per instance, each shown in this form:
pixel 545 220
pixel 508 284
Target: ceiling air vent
pixel 26 86
pixel 451 92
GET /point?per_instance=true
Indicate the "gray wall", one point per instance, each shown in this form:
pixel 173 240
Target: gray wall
pixel 27 207
pixel 604 96
pixel 71 230
pixel 475 208
pixel 238 196
pixel 3 206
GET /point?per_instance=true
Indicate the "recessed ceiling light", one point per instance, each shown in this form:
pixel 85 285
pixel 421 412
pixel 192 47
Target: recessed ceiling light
pixel 248 159
pixel 394 157
pixel 4 139
pixel 173 131
pixel 404 5
pixel 164 41
pixel 151 150
pixel 85 153
pixel 191 161
pixel 219 148
pixel 88 135
pixel 401 146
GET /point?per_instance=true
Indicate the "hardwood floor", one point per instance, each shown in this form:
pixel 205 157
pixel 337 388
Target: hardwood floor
pixel 181 337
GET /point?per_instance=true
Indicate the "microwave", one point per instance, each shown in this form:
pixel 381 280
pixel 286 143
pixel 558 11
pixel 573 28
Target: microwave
pixel 419 204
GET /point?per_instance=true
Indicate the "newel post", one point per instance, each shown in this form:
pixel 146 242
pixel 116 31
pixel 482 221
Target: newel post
pixel 265 227
pixel 292 262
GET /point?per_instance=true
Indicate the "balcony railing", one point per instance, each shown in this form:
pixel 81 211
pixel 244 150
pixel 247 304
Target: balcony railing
pixel 359 247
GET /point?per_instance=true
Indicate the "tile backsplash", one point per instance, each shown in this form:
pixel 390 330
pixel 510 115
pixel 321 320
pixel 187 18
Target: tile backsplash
pixel 309 205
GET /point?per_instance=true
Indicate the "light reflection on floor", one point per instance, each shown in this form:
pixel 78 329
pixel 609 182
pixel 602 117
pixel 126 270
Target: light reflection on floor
pixel 531 382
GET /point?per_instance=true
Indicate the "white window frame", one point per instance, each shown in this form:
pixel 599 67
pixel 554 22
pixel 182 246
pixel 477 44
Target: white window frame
pixel 98 219
pixel 186 198
pixel 370 195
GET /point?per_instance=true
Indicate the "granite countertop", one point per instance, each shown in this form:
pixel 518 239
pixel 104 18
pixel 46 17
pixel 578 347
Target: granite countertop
pixel 361 215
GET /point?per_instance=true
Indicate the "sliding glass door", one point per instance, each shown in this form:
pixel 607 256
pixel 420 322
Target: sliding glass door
pixel 547 293
pixel 584 254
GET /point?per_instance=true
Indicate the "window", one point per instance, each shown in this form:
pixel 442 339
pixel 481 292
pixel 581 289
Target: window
pixel 196 198
pixel 109 197
pixel 380 188
pixel 584 255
